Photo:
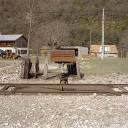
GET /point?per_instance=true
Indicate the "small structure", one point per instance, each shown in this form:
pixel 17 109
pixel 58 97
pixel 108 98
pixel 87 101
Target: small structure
pixel 67 57
pixel 109 50
pixel 16 43
pixel 80 52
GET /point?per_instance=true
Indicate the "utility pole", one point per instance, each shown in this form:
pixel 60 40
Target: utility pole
pixel 102 42
pixel 90 40
pixel 30 26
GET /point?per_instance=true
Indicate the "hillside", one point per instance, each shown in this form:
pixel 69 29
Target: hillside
pixel 64 21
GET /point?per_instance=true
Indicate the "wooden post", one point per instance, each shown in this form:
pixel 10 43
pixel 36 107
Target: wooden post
pixel 22 68
pixel 36 67
pixel 25 68
pixel 46 67
pixel 78 69
pixel 90 41
pixel 121 53
pixel 62 67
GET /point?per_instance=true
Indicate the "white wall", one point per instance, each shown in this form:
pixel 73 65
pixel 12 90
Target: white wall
pixel 108 55
pixel 82 51
pixel 8 48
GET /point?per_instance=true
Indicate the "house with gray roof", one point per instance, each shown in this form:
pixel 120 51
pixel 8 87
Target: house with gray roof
pixel 17 43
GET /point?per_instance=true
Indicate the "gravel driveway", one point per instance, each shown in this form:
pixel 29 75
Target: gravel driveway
pixel 63 111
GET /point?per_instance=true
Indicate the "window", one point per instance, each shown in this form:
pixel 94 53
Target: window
pixel 106 49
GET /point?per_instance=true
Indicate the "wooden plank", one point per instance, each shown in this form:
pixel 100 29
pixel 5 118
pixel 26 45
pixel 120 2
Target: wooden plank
pixel 63 55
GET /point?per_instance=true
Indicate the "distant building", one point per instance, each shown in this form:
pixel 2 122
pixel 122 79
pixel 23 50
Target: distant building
pixel 17 43
pixel 79 51
pixel 109 50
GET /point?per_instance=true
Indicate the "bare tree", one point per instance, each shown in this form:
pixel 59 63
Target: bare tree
pixel 55 33
pixel 54 5
pixel 123 45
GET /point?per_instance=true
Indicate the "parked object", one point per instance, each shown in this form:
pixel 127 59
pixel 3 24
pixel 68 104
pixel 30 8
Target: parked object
pixel 8 54
pixel 1 52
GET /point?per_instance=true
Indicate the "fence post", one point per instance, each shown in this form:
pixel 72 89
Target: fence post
pixel 46 67
pixel 25 68
pixel 36 67
pixel 78 69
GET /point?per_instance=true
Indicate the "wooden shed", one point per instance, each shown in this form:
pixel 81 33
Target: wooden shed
pixel 79 51
pixel 17 43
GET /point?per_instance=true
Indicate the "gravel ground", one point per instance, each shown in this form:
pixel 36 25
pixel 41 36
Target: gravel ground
pixel 4 63
pixel 63 111
pixel 11 74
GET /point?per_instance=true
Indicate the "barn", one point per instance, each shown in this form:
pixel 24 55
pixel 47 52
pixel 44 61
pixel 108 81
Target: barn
pixel 17 43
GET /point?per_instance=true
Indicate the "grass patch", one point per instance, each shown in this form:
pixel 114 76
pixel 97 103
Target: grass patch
pixel 108 65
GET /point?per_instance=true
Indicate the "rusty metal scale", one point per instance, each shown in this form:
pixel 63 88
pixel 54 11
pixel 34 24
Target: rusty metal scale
pixel 63 56
pixel 66 57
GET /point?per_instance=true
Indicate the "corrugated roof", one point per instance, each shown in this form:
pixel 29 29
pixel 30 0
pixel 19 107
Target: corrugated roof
pixel 10 37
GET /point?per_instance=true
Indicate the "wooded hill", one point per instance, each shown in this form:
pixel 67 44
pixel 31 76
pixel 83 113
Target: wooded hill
pixel 67 22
